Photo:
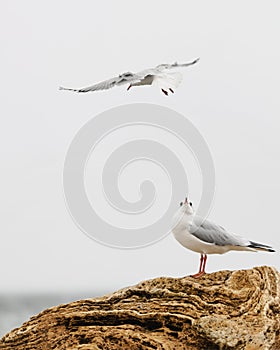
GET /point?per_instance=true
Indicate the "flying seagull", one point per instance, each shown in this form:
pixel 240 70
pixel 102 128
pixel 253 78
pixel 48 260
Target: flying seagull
pixel 206 237
pixel 160 75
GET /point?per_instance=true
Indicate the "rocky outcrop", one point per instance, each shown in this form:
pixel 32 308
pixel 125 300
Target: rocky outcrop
pixel 222 310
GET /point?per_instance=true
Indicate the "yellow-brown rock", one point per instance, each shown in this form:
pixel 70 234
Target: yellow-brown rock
pixel 222 310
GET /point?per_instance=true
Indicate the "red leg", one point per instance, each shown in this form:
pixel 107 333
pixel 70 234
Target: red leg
pixel 200 266
pixel 204 263
pixel 201 262
pixel 201 271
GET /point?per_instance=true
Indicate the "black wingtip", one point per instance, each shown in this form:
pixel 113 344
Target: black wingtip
pixel 263 247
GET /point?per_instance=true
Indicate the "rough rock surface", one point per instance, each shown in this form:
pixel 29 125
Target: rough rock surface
pixel 222 310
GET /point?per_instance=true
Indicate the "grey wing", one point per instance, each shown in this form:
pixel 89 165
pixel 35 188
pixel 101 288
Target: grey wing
pixel 176 65
pixel 209 232
pixel 107 84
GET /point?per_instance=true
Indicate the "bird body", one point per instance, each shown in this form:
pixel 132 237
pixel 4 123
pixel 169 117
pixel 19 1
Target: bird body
pixel 189 241
pixel 206 237
pixel 160 76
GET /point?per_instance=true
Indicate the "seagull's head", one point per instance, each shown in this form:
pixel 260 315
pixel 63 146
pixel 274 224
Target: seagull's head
pixel 126 75
pixel 163 66
pixel 186 207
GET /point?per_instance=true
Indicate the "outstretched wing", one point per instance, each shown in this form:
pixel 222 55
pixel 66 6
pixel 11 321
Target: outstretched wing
pixel 107 84
pixel 209 232
pixel 162 67
pixel 175 65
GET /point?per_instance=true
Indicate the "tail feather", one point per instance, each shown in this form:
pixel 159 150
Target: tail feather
pixel 259 246
pixel 168 80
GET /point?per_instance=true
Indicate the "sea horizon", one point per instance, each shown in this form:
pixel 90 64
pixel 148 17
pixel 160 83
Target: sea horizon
pixel 16 308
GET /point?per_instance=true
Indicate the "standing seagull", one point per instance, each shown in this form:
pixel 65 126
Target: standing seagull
pixel 205 237
pixel 159 75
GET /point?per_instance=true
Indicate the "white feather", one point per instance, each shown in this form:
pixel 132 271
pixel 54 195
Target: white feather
pixel 168 80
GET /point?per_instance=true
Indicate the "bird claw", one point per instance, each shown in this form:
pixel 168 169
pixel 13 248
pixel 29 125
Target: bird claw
pixel 198 275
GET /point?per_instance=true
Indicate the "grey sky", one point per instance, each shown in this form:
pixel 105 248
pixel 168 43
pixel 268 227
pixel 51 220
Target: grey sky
pixel 231 96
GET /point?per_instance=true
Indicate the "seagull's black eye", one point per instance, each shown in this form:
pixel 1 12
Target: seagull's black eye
pixel 181 204
pixel 191 204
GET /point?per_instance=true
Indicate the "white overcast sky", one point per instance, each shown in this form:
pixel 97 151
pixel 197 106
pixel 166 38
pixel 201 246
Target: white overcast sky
pixel 231 96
